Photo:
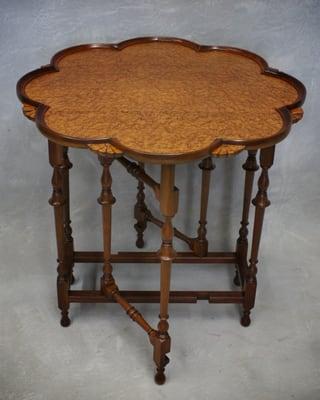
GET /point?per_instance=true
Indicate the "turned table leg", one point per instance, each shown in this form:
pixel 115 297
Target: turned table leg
pixel 67 165
pixel 60 201
pixel 106 200
pixel 168 208
pixel 108 285
pixel 140 213
pixel 200 243
pixel 250 166
pixel 261 201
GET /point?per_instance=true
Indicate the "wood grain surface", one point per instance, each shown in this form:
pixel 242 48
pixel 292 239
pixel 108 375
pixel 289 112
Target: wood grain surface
pixel 161 99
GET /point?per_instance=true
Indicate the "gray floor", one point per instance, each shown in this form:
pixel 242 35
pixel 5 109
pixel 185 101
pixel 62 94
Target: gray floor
pixel 103 355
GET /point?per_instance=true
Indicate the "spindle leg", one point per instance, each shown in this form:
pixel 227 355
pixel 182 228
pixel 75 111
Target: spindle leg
pixel 67 165
pixel 200 243
pixel 59 200
pixel 106 200
pixel 108 285
pixel 168 207
pixel 261 201
pixel 250 166
pixel 140 213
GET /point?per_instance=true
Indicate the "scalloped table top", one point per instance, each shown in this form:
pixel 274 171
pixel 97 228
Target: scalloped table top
pixel 161 100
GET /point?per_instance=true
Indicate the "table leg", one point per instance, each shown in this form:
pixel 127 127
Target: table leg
pixel 109 287
pixel 200 243
pixel 67 222
pixel 140 213
pixel 261 201
pixel 168 208
pixel 250 166
pixel 106 199
pixel 59 200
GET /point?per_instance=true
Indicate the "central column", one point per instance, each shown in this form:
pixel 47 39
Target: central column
pixel 168 208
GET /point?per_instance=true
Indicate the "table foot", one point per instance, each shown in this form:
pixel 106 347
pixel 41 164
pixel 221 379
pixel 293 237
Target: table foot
pixel 65 320
pixel 160 377
pixel 139 241
pixel 161 346
pixel 245 319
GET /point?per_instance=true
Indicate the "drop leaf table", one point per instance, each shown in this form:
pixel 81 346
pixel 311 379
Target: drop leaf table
pixel 162 101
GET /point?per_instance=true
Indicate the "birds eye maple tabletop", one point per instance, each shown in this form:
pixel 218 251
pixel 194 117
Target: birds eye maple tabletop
pixel 163 101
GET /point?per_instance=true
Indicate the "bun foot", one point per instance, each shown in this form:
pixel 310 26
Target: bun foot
pixel 160 377
pixel 245 319
pixel 65 321
pixel 140 243
pixel 236 279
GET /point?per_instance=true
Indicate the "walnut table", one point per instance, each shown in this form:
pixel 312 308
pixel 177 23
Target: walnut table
pixel 163 101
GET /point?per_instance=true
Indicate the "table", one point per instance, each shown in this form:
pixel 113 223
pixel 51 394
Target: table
pixel 163 101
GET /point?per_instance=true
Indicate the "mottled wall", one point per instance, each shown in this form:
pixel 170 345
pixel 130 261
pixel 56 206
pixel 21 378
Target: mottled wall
pixel 285 32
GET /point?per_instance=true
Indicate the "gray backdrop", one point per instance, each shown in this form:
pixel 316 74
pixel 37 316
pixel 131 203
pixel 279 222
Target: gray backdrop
pixel 103 355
